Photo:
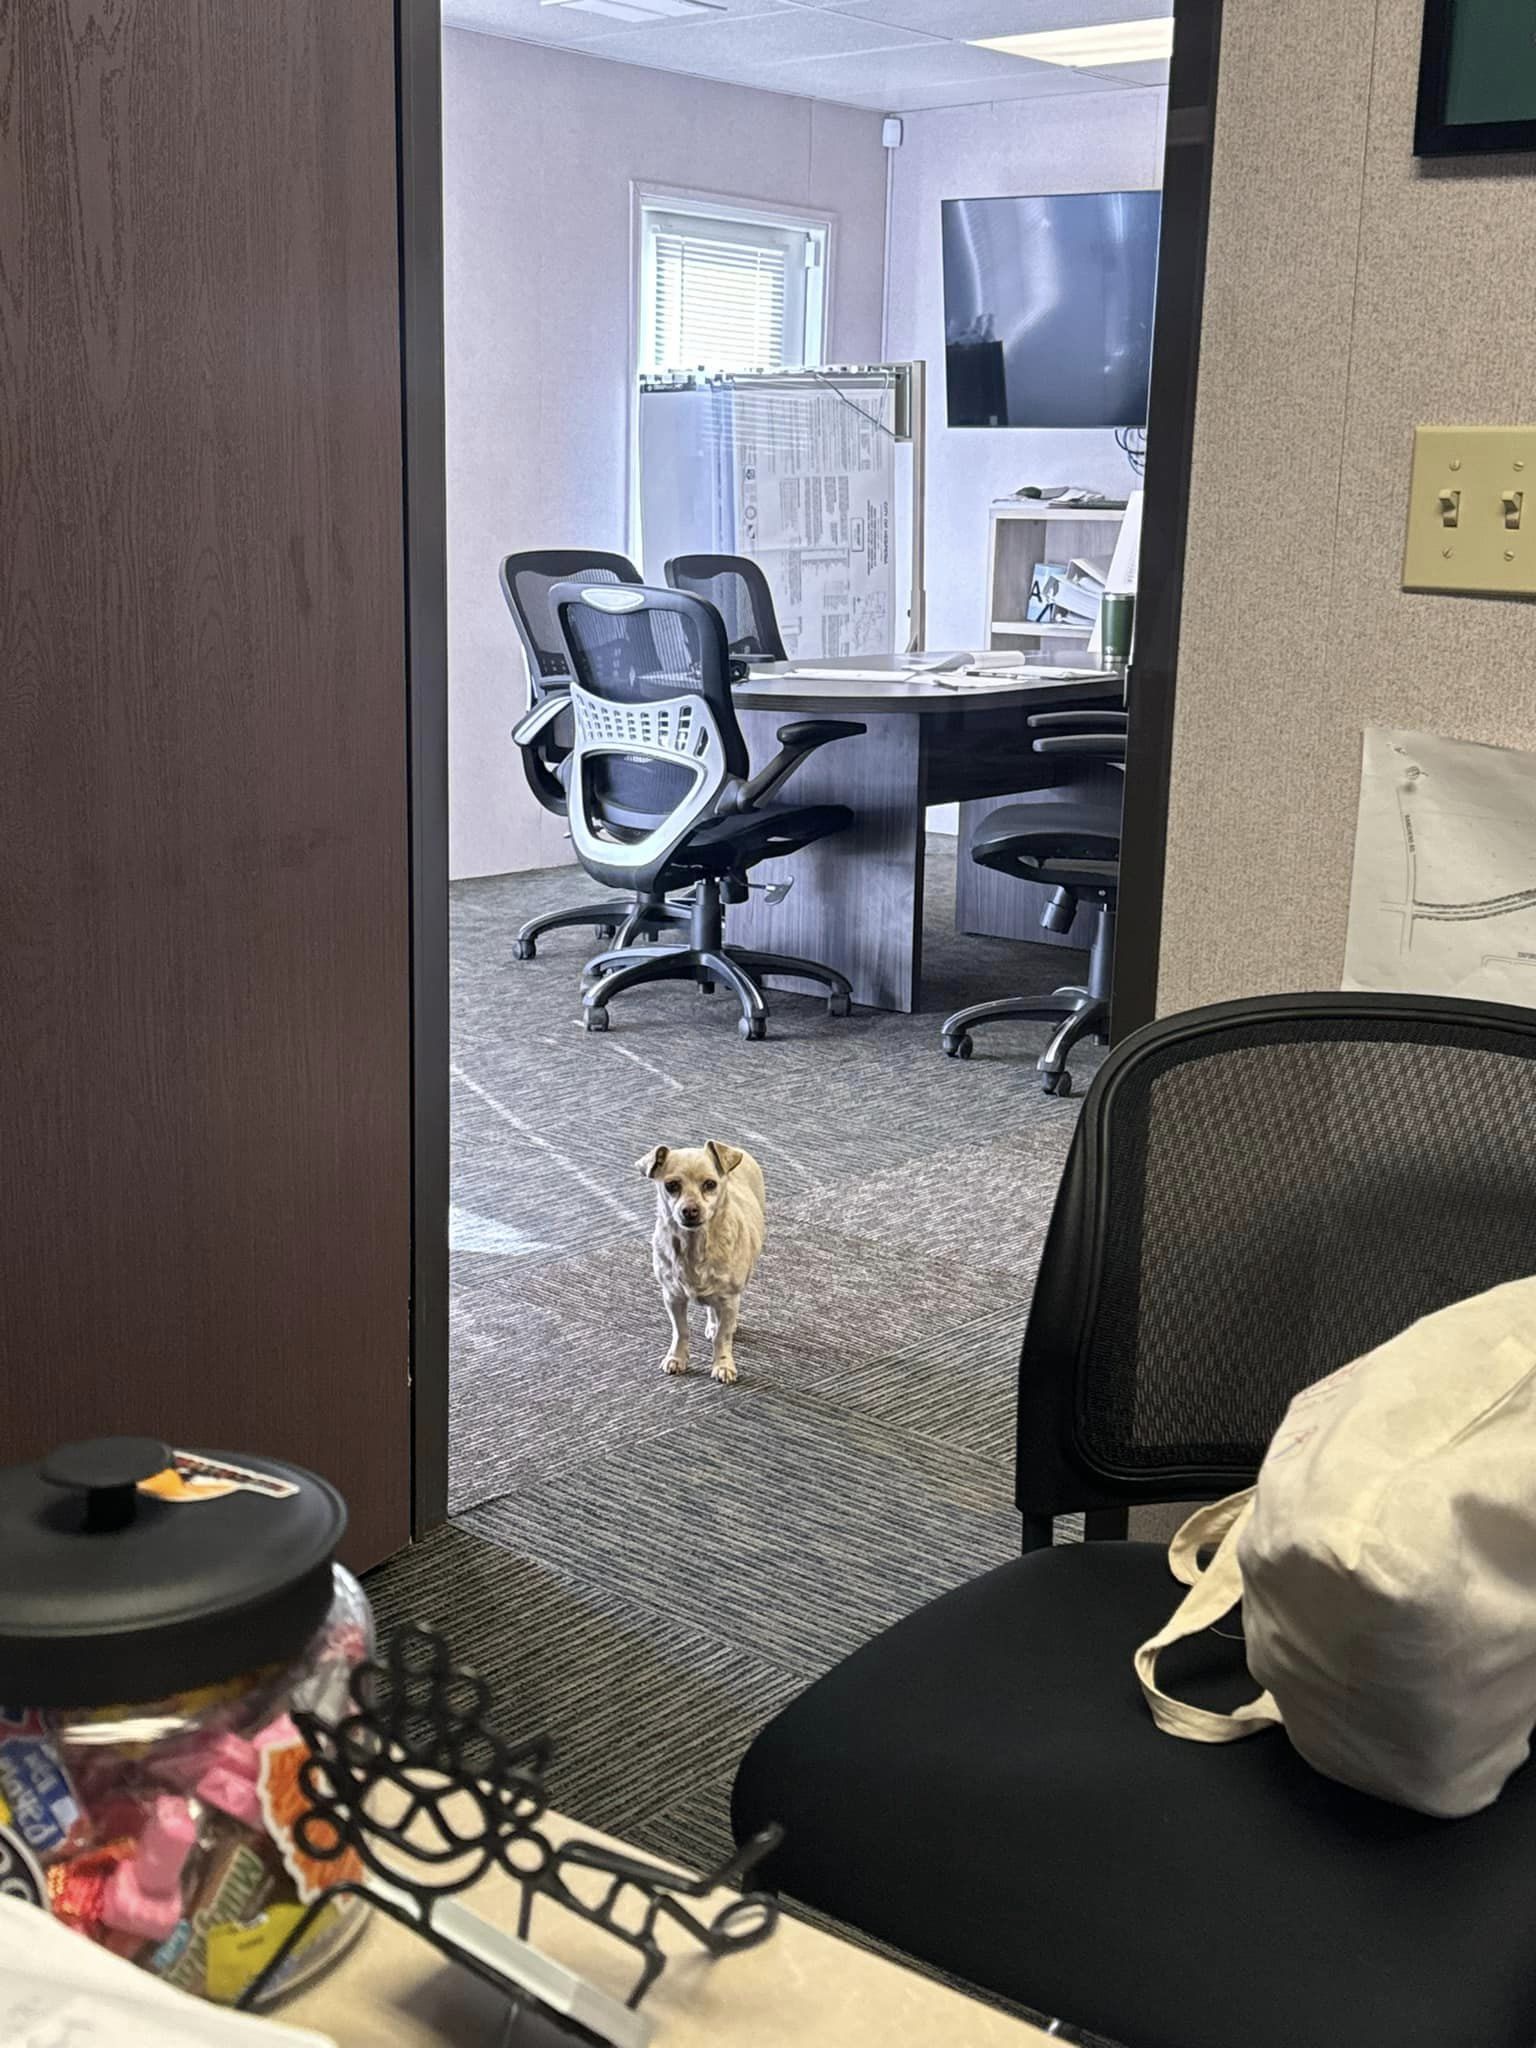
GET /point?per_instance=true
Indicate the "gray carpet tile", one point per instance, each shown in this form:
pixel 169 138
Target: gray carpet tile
pixel 792 1527
pixel 940 1387
pixel 643 1708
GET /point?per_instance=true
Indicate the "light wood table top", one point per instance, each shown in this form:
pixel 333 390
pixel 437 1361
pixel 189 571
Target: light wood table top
pixel 925 694
pixel 800 1989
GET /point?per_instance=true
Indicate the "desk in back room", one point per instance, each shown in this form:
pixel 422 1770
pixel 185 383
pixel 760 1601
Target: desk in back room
pixel 857 900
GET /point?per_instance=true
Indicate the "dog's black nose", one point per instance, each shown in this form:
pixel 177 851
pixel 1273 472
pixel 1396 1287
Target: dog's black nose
pixel 692 1215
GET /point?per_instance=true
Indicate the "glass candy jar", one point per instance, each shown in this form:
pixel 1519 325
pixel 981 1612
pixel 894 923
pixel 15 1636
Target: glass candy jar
pixel 162 1617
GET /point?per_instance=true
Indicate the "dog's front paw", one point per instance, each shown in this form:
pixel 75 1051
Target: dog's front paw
pixel 676 1362
pixel 724 1369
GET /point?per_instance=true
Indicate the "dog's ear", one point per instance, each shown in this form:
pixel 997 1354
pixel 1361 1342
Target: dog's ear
pixel 652 1163
pixel 726 1157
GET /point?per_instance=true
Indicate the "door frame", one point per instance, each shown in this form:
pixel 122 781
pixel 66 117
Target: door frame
pixel 419 189
pixel 1152 685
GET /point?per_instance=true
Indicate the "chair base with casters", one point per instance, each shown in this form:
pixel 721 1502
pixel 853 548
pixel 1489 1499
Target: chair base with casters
pixel 1072 847
pixel 624 922
pixel 708 961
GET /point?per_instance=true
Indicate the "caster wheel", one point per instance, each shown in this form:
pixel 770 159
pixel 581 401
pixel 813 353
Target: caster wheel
pixel 594 1020
pixel 838 1006
pixel 1056 1084
pixel 753 1027
pixel 524 949
pixel 959 1047
pixel 606 931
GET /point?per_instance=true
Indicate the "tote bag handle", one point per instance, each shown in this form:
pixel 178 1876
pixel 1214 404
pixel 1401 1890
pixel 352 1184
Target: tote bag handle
pixel 1212 1592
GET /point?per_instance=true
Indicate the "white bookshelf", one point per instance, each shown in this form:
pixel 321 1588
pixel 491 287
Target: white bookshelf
pixel 1023 533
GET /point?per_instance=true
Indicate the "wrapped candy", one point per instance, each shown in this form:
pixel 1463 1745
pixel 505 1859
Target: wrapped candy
pixel 162 1845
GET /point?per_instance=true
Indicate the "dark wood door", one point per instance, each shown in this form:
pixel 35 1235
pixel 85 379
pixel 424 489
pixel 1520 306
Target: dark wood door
pixel 204 947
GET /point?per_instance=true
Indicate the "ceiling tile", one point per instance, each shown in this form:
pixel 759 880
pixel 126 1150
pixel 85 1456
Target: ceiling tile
pixel 911 67
pixel 741 48
pixel 919 99
pixel 964 19
pixel 525 19
pixel 531 22
pixel 1153 72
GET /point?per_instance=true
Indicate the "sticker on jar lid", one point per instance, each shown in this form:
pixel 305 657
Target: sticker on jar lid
pixel 33 1782
pixel 190 1477
pixel 20 1875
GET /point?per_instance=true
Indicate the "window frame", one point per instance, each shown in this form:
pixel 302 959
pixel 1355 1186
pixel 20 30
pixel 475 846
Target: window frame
pixel 647 198
pixel 805 295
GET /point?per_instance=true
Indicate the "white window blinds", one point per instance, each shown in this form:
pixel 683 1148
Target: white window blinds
pixel 728 293
pixel 717 304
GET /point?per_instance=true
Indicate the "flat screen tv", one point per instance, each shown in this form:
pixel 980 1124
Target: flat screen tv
pixel 1048 309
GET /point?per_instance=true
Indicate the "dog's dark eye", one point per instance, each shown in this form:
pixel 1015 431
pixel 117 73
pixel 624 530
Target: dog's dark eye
pixel 674 1187
pixel 709 1186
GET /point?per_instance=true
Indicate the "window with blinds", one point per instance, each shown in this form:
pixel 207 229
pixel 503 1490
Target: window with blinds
pixel 727 291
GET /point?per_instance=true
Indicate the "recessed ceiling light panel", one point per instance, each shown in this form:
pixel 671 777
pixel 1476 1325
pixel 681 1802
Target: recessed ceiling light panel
pixel 1085 49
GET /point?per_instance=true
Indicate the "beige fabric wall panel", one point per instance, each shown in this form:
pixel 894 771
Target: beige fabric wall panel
pixel 1352 293
pixel 1241 888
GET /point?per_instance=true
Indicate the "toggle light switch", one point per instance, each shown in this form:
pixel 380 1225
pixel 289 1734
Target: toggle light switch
pixel 1466 511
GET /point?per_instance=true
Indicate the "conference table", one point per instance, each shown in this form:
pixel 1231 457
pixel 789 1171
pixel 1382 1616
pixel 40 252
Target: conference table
pixel 857 897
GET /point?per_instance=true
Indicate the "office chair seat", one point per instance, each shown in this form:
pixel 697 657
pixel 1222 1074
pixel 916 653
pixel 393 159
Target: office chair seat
pixel 1026 839
pixel 747 837
pixel 983 1786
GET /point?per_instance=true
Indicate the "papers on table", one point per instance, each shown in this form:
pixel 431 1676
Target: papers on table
pixel 1011 678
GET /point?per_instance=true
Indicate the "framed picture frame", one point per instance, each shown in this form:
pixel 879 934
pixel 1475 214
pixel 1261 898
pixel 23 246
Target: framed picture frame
pixel 1477 78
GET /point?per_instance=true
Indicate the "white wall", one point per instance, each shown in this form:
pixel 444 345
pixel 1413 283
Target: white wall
pixel 539 150
pixel 1079 142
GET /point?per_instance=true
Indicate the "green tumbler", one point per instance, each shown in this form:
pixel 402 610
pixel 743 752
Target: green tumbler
pixel 1118 615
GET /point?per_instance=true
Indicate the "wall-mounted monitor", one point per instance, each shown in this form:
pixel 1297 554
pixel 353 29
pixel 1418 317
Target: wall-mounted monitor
pixel 1048 309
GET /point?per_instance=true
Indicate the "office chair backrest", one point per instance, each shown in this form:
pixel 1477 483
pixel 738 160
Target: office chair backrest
pixel 656 734
pixel 738 590
pixel 1255 1194
pixel 526 583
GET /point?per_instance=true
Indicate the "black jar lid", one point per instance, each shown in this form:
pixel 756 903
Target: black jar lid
pixel 112 1595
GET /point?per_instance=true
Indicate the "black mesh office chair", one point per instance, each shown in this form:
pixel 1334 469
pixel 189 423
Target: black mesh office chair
pixel 1255 1194
pixel 738 589
pixel 526 582
pixel 661 790
pixel 1074 848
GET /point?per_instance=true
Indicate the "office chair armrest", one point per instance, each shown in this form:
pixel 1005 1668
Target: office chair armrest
pixel 532 723
pixel 1103 746
pixel 1080 721
pixel 797 739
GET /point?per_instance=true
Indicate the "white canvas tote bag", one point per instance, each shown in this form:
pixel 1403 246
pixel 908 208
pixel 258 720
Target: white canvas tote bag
pixel 1386 1564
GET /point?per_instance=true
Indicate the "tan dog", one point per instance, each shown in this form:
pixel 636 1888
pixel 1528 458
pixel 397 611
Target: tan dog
pixel 709 1232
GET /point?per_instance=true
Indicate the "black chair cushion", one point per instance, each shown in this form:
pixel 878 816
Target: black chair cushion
pixel 983 1786
pixel 1024 839
pixel 723 845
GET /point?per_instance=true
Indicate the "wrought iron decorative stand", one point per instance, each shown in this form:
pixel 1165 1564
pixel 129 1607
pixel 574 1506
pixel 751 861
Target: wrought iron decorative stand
pixel 430 1799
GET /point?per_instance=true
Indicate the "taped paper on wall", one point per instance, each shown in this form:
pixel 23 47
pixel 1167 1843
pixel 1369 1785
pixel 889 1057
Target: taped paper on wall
pixel 804 479
pixel 1443 897
pixel 814 491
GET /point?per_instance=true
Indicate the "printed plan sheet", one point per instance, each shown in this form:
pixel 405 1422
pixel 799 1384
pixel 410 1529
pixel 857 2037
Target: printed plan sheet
pixel 815 483
pixel 1443 899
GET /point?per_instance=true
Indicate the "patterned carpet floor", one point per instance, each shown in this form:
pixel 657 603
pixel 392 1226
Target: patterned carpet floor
pixel 648 1567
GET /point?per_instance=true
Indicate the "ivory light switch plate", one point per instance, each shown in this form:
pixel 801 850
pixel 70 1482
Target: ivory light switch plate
pixel 1472 511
